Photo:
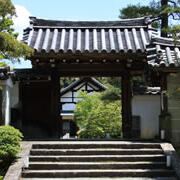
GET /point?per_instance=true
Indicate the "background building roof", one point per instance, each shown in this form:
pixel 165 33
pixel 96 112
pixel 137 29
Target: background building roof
pixel 164 52
pixel 90 80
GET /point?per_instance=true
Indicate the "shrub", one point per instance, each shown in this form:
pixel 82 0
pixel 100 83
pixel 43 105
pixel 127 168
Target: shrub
pixel 9 143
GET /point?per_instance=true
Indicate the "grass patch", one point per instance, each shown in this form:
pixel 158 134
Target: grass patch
pixel 4 167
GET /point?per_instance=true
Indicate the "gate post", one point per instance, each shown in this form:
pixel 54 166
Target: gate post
pixel 55 104
pixel 126 106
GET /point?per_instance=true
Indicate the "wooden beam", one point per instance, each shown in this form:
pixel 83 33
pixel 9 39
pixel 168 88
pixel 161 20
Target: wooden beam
pixel 88 56
pixel 126 106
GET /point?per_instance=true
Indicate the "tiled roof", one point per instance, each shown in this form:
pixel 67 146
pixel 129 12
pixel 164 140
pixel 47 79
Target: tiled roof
pixel 130 35
pixel 163 52
pixel 49 37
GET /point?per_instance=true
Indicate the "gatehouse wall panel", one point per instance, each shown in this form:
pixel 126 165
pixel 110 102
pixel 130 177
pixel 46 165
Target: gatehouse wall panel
pixel 173 81
pixel 148 108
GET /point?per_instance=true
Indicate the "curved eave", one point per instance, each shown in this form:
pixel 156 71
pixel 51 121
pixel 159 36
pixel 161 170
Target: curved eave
pixel 122 22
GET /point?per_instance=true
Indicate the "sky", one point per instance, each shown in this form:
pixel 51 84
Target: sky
pixel 66 10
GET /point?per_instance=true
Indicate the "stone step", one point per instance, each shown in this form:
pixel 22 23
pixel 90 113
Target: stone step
pixel 89 145
pixel 104 178
pixel 98 173
pixel 95 165
pixel 52 152
pixel 93 158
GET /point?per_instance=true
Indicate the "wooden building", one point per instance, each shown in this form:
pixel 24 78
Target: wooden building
pixel 124 48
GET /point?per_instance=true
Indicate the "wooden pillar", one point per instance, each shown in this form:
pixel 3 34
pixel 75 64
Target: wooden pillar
pixel 21 115
pixel 55 105
pixel 164 118
pixel 126 106
pixel 60 109
pixel 164 105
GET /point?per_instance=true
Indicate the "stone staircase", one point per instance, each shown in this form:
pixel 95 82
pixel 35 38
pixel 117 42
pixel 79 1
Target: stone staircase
pixel 97 159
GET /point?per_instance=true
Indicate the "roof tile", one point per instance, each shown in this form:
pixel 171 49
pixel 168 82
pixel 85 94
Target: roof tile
pixel 88 37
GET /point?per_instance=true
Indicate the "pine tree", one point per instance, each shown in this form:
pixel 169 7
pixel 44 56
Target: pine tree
pixel 163 10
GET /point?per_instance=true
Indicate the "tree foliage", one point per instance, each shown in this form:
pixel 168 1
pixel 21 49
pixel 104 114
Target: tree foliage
pixel 96 117
pixel 135 11
pixel 10 47
pixel 163 10
pixel 113 92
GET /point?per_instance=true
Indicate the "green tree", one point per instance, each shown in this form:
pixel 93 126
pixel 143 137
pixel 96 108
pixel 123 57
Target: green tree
pixel 135 11
pixel 96 117
pixel 113 92
pixel 164 10
pixel 10 47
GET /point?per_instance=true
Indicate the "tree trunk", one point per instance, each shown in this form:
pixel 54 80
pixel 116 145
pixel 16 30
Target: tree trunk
pixel 164 20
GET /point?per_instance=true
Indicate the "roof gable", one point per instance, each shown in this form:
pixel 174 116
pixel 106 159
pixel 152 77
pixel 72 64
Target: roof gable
pixel 76 83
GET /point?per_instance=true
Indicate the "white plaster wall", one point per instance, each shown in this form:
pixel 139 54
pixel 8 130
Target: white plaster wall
pixel 148 108
pixel 68 94
pixel 78 99
pixel 14 92
pixel 69 107
pixel 6 105
pixel 76 94
pixel 67 97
